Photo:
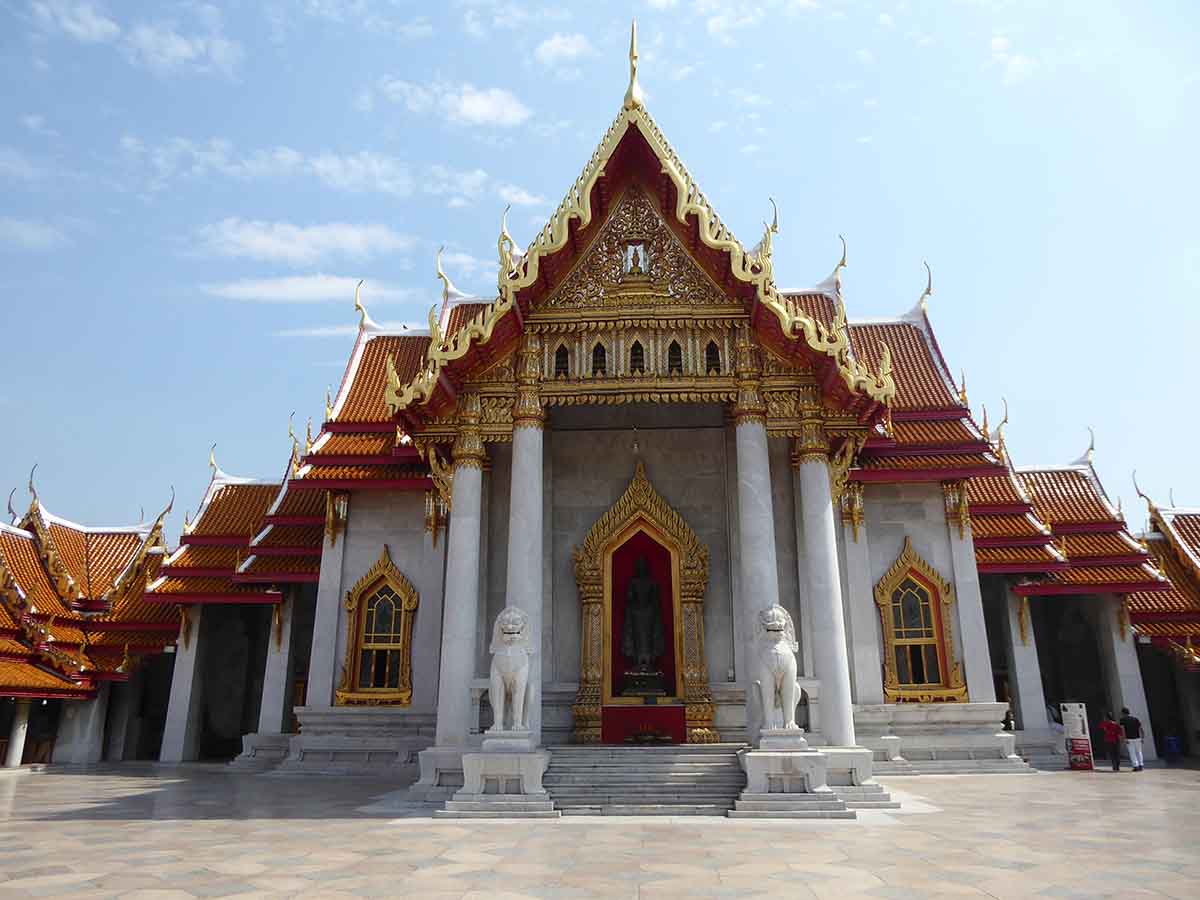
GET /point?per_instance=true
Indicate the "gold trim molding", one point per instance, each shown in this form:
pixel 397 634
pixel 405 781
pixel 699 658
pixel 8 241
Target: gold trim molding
pixel 953 687
pixel 384 572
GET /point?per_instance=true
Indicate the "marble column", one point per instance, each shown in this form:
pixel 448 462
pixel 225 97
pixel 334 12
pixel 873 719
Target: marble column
pixel 972 629
pixel 523 587
pixel 122 706
pixel 758 573
pixel 181 734
pixel 80 739
pixel 326 639
pixel 461 612
pixel 811 461
pixel 802 585
pixel 16 735
pixel 1024 670
pixel 276 690
pixel 1118 653
pixel 866 641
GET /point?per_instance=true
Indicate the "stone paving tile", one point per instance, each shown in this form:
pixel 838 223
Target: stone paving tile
pixel 202 831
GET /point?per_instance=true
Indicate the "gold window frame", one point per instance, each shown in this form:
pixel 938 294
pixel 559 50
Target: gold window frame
pixel 951 687
pixel 383 574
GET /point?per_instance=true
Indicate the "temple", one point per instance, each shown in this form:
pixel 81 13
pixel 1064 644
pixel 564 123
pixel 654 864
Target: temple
pixel 616 471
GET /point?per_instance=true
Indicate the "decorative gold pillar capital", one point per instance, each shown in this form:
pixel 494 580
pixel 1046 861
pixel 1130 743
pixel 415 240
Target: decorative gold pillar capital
pixel 468 443
pixel 812 444
pixel 851 503
pixel 958 508
pixel 750 406
pixel 527 409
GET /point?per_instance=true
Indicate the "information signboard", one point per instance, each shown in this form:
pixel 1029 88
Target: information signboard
pixel 1079 738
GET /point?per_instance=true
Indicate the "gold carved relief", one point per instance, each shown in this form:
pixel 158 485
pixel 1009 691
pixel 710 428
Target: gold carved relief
pixel 641 503
pixel 910 567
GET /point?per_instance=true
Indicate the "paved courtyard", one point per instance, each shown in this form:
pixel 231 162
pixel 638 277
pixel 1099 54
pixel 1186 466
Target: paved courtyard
pixel 138 831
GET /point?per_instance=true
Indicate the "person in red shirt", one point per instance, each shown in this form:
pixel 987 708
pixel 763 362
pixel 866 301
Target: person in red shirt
pixel 1111 731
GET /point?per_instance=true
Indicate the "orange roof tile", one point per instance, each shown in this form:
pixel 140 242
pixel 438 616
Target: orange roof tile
pixel 944 461
pixel 283 565
pixel 361 400
pixel 20 557
pixel 815 305
pixel 460 315
pixel 294 536
pixel 920 382
pixel 27 678
pixel 1184 595
pixel 997 490
pixel 206 558
pixel 1182 628
pixel 1085 575
pixel 301 503
pixel 364 473
pixel 1005 526
pixel 1071 494
pixel 356 445
pixel 999 555
pixel 1079 547
pixel 937 432
pixel 233 508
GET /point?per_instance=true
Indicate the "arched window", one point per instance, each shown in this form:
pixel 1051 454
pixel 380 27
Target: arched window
pixel 674 359
pixel 637 359
pixel 378 665
pixel 562 362
pixel 599 360
pixel 915 605
pixel 712 359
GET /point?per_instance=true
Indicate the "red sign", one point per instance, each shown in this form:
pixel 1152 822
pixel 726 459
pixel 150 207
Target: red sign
pixel 1079 753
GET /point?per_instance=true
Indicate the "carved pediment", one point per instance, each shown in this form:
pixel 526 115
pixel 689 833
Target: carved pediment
pixel 636 261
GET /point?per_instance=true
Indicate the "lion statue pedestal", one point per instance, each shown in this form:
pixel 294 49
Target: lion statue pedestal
pixel 505 779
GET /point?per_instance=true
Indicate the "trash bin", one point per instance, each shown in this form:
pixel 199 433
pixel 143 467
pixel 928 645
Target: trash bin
pixel 1172 748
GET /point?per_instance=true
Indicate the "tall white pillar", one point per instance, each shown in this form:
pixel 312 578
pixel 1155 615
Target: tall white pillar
pixel 326 640
pixel 866 641
pixel 805 589
pixel 276 690
pixel 16 735
pixel 811 461
pixel 523 587
pixel 972 629
pixel 122 704
pixel 758 572
pixel 80 739
pixel 181 734
pixel 1118 652
pixel 1024 670
pixel 461 612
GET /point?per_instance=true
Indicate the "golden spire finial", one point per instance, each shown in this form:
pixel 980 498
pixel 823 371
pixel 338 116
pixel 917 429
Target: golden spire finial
pixel 1171 497
pixel 448 287
pixel 32 489
pixel 308 440
pixel 962 391
pixel 633 96
pixel 328 405
pixel 837 270
pixel 986 431
pixel 295 442
pixel 774 227
pixel 505 245
pixel 212 460
pixel 1138 490
pixel 928 292
pixel 364 320
pixel 12 513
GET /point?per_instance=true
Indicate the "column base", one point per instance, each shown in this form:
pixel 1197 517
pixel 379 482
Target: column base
pixel 261 751
pixel 441 773
pixel 502 785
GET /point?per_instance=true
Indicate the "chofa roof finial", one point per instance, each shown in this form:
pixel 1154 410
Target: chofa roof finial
pixel 448 288
pixel 633 95
pixel 928 292
pixel 212 460
pixel 12 513
pixel 32 489
pixel 506 248
pixel 1140 493
pixel 1090 453
pixel 364 319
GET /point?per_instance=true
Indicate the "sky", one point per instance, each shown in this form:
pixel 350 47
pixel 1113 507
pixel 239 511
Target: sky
pixel 189 191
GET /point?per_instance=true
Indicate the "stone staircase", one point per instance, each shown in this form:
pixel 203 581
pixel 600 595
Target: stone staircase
pixel 982 766
pixel 676 780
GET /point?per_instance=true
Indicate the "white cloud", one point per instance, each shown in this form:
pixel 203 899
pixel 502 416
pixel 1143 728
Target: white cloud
pixel 560 48
pixel 723 17
pixel 306 289
pixel 464 104
pixel 518 196
pixel 81 21
pixel 26 235
pixel 369 17
pixel 165 50
pixel 473 24
pixel 36 124
pixel 468 266
pixel 865 56
pixel 345 330
pixel 886 20
pixel 718 125
pixel 1016 67
pixel 864 139
pixel 363 172
pixel 750 149
pixel 681 72
pixel 441 179
pixel 14 164
pixel 663 4
pixel 300 245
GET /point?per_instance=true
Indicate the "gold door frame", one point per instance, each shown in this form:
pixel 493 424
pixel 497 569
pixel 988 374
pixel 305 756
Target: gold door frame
pixel 642 506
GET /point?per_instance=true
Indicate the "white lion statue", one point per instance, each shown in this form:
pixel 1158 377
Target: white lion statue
pixel 509 691
pixel 775 665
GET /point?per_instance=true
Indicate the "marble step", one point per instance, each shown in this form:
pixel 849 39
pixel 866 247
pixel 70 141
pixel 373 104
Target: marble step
pixel 563 798
pixel 490 806
pixel 769 805
pixel 649 809
pixel 634 778
pixel 792 814
pixel 495 814
pixel 955 767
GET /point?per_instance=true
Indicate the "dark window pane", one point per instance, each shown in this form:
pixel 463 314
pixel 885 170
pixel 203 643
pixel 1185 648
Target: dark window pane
pixel 918 665
pixel 932 670
pixel 393 669
pixel 712 359
pixel 599 360
pixel 637 358
pixel 364 669
pixel 674 359
pixel 903 670
pixel 562 363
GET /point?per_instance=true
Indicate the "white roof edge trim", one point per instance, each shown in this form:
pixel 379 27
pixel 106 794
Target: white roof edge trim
pixel 262 534
pixel 141 528
pixel 14 530
pixel 245 563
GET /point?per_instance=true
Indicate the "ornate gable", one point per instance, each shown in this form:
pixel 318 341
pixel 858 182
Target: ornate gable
pixel 636 260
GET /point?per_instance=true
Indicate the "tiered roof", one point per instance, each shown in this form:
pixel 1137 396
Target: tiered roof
pixel 1172 617
pixel 204 568
pixel 72 612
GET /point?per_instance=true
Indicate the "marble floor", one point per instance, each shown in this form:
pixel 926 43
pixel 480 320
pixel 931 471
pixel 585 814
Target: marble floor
pixel 138 831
